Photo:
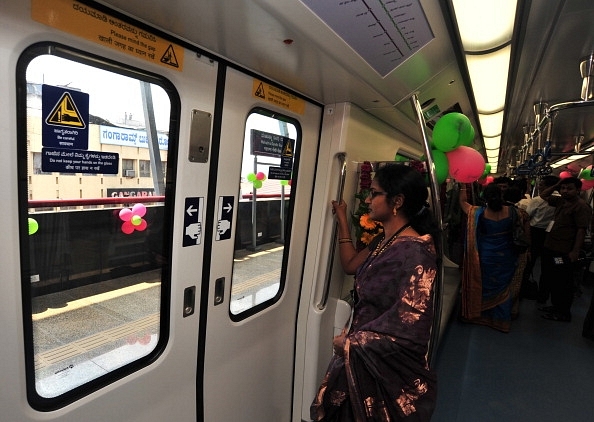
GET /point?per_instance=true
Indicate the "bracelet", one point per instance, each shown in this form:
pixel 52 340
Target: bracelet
pixel 345 241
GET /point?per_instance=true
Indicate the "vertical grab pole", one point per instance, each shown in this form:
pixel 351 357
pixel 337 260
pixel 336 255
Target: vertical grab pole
pixel 325 292
pixel 436 208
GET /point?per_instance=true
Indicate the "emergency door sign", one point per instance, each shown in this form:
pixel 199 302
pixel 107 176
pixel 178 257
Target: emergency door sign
pixel 193 221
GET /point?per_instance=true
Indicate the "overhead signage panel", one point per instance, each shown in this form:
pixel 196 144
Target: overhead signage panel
pixel 383 32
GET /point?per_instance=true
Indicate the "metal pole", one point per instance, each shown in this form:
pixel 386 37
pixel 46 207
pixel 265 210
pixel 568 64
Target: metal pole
pixel 436 208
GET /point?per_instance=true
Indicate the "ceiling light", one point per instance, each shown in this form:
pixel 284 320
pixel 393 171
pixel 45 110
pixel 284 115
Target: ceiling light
pixel 492 142
pixel 486 29
pixel 491 124
pixel 492 153
pixel 485 24
pixel 488 75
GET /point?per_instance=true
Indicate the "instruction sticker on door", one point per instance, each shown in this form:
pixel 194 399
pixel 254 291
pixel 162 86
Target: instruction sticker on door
pixel 225 217
pixel 193 221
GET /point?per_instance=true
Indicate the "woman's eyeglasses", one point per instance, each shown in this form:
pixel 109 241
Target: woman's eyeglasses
pixel 373 193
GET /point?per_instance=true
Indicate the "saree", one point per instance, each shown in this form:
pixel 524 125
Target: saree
pixel 491 273
pixel 383 372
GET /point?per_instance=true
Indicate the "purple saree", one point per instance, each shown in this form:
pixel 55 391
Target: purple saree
pixel 383 374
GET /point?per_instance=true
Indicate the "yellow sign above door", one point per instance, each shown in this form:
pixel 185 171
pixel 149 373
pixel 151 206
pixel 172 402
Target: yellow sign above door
pixel 277 96
pixel 91 24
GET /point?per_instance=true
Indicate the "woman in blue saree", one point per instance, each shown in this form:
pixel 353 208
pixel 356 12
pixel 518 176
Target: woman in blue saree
pixel 379 371
pixel 490 261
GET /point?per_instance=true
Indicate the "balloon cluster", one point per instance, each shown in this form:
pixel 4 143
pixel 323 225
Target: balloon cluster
pixel 586 177
pixel 451 150
pixel 256 179
pixel 132 218
pixel 285 182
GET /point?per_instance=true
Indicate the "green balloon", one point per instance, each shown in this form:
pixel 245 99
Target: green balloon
pixel 257 184
pixel 487 170
pixel 251 177
pixel 467 138
pixel 451 131
pixel 33 226
pixel 442 166
pixel 400 158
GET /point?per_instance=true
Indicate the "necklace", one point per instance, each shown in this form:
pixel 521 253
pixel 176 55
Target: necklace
pixel 381 246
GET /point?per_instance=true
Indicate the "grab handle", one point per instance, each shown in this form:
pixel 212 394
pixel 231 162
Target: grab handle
pixel 326 290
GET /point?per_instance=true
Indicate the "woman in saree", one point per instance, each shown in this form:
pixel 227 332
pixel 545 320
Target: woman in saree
pixel 379 370
pixel 491 264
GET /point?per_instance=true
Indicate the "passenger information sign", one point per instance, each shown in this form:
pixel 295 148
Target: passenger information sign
pixel 78 161
pixel 65 135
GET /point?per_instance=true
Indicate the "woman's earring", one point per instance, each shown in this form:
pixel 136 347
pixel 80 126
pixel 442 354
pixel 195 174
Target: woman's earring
pixel 395 211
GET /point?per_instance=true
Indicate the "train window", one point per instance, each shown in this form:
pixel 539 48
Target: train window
pixel 95 249
pixel 270 144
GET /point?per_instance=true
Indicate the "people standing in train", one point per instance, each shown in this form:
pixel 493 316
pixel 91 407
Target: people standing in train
pixel 562 245
pixel 490 260
pixel 503 182
pixel 541 214
pixel 522 185
pixel 379 370
pixel 512 197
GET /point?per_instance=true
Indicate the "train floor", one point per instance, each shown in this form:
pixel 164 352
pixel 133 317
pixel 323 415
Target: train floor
pixel 540 371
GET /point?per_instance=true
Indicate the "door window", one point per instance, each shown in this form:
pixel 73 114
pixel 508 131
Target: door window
pixel 270 146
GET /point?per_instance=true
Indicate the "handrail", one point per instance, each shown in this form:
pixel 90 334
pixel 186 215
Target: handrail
pixel 43 203
pixel 436 208
pixel 326 290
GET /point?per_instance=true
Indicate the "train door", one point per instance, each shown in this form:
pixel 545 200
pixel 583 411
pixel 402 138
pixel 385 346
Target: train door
pixel 264 182
pixel 100 158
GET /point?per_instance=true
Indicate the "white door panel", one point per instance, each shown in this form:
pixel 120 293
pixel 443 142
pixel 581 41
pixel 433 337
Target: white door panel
pixel 165 388
pixel 248 366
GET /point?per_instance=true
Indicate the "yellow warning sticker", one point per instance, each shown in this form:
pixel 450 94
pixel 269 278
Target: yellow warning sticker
pixel 278 97
pixel 65 113
pixel 91 24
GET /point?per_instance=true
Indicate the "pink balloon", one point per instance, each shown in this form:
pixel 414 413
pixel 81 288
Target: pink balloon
pixel 466 164
pixel 139 209
pixel 126 214
pixel 260 176
pixel 565 174
pixel 587 184
pixel 127 227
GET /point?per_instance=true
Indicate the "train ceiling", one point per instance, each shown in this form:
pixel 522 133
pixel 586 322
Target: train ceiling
pixel 275 38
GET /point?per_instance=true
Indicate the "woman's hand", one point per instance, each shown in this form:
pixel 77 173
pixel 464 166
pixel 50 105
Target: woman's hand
pixel 338 343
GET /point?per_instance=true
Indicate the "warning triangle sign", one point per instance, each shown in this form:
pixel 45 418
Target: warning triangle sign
pixel 260 91
pixel 65 113
pixel 169 57
pixel 288 148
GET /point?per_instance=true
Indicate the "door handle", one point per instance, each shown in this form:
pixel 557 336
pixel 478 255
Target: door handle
pixel 189 300
pixel 219 293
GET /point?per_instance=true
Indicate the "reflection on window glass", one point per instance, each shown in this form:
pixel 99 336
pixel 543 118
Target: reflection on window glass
pixel 96 243
pixel 265 193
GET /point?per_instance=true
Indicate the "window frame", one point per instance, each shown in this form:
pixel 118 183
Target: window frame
pixel 237 317
pixel 36 401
